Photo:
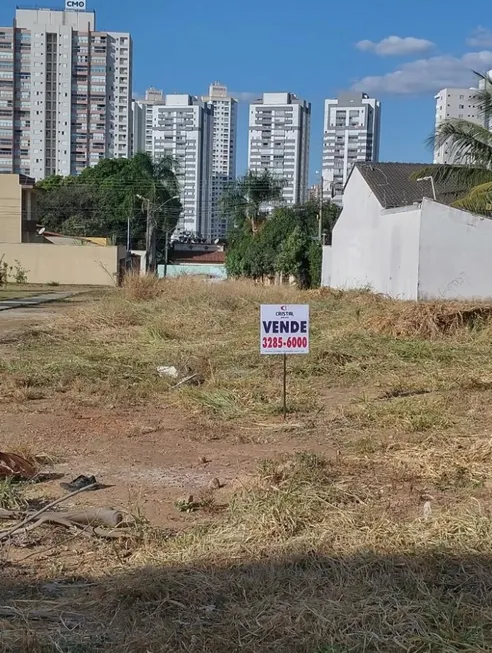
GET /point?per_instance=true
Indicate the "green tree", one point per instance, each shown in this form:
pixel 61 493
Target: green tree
pixel 63 203
pixel 330 214
pixel 471 143
pixel 287 243
pixel 245 199
pixel 315 258
pixel 293 256
pixel 100 200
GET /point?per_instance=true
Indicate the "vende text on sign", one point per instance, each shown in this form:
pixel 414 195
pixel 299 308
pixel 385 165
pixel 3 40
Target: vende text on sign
pixel 284 329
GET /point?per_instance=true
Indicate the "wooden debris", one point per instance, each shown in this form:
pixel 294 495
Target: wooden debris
pixel 101 522
pixel 14 466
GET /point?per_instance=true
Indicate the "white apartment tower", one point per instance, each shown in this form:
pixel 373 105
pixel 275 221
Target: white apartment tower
pixel 459 103
pixel 181 126
pixel 223 153
pixel 143 120
pixel 279 131
pixel 65 93
pixel 351 134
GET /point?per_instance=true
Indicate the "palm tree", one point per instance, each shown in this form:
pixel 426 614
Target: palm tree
pixel 156 178
pixel 246 198
pixel 157 187
pixel 470 143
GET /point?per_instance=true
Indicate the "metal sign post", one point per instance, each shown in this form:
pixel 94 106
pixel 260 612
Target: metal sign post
pixel 285 387
pixel 284 330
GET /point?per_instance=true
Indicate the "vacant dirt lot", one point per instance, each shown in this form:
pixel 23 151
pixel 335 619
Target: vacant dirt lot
pixel 149 459
pixel 362 523
pixel 148 456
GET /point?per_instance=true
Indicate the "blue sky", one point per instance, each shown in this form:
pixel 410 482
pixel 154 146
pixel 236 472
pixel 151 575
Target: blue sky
pixel 314 49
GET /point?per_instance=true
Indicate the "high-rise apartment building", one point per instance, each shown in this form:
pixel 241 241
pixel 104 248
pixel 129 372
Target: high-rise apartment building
pixel 223 169
pixel 459 103
pixel 181 126
pixel 314 193
pixel 351 134
pixel 143 120
pixel 279 131
pixel 65 93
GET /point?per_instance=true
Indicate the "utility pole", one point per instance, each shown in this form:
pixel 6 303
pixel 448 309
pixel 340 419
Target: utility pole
pixel 149 237
pixel 320 217
pixel 166 253
pixel 151 241
pixel 128 257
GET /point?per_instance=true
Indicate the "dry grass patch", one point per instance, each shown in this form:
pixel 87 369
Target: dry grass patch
pixel 108 352
pixel 429 319
pixel 413 413
pixel 12 494
pixel 142 288
pixel 112 348
pixel 312 555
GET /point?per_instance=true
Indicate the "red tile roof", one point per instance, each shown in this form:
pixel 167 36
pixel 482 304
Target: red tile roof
pixel 198 257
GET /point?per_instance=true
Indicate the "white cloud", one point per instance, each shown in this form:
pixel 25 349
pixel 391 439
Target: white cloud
pixel 481 38
pixel 428 75
pixel 396 45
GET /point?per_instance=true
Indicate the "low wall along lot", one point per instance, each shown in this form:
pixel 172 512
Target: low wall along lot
pixel 65 264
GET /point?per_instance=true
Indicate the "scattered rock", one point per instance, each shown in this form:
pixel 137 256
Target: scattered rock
pixel 146 430
pixel 203 460
pixel 187 505
pixel 215 484
pixel 170 371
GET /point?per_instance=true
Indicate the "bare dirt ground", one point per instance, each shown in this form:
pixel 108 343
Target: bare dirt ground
pixel 148 461
pixel 147 458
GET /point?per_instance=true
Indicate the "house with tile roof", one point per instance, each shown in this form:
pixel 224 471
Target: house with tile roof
pixel 400 236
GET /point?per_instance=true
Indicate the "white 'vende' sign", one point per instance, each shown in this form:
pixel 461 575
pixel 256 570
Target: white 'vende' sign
pixel 284 329
pixel 75 5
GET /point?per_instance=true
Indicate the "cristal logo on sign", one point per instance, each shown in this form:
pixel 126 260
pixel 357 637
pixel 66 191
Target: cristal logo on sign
pixel 284 312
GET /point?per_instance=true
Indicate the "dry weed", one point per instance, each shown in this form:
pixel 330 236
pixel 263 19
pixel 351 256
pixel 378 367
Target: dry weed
pixel 108 351
pixel 142 288
pixel 429 319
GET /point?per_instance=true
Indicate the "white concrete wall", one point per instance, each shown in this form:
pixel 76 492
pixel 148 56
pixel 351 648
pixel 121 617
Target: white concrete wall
pixel 375 248
pixel 142 253
pixel 430 251
pixel 356 249
pixel 399 233
pixel 455 254
pixel 326 267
